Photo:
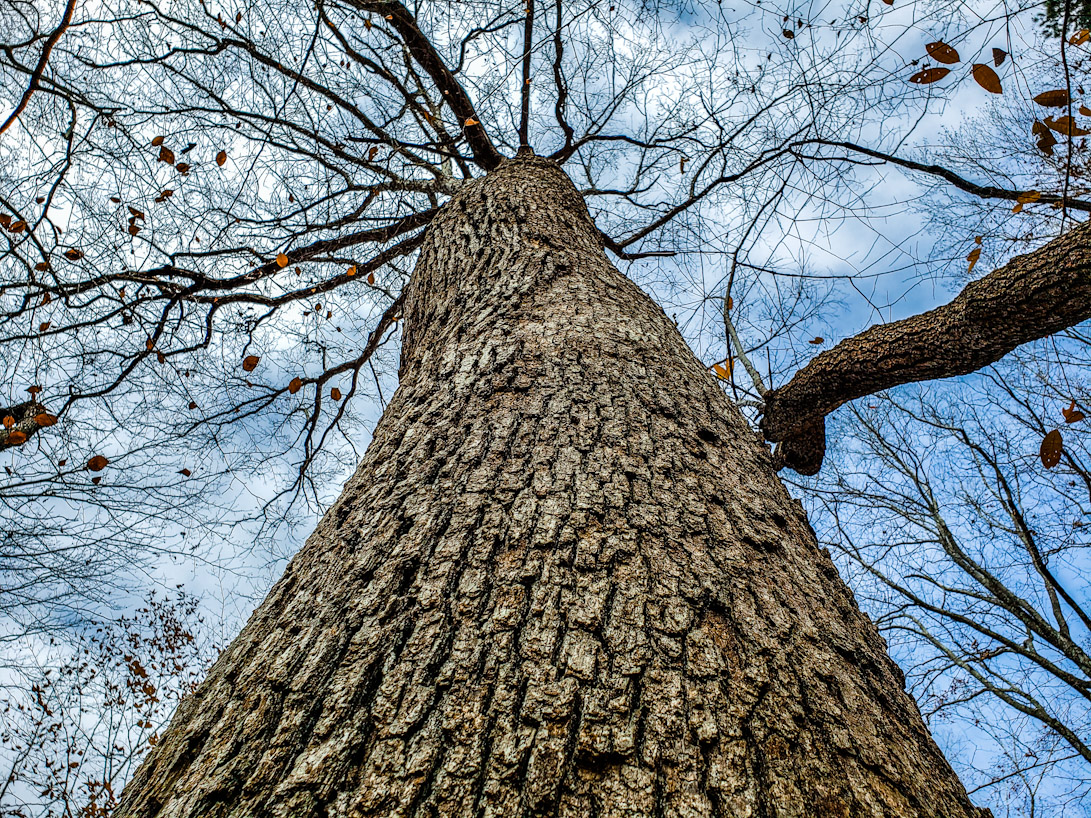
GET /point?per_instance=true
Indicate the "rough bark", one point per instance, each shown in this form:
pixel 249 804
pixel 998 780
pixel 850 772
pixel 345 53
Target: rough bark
pixel 1030 297
pixel 564 580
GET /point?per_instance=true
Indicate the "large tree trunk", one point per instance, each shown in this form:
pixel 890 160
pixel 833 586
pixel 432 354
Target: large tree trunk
pixel 564 581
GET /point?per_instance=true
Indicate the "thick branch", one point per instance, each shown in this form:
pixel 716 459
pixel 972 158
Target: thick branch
pixel 39 69
pixel 524 96
pixel 1030 297
pixel 403 21
pixel 25 423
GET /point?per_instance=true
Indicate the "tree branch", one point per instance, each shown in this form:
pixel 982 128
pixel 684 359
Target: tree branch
pixel 39 69
pixel 984 191
pixel 1030 297
pixel 485 153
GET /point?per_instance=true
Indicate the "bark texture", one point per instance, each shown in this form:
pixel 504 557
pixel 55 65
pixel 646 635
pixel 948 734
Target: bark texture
pixel 564 581
pixel 1030 297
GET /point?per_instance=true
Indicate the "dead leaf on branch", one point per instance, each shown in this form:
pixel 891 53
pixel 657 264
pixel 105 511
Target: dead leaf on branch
pixel 1072 414
pixel 929 75
pixel 987 78
pixel 1052 99
pixel 1065 125
pixel 1051 449
pixel 941 52
pixel 975 254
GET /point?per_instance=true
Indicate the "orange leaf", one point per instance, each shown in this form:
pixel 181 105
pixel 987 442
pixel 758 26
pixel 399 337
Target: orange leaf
pixel 282 260
pixel 18 227
pixel 166 155
pixel 182 167
pixel 185 472
pixel 97 463
pixel 816 340
pixel 295 385
pixel 1080 37
pixel 45 419
pixel 987 78
pixel 351 271
pixel 929 75
pixel 941 52
pixel 8 421
pixel 72 254
pixel 157 141
pixel 250 363
pixel 975 254
pixel 1051 449
pixel 193 404
pixel 471 121
pixel 221 157
pixel 16 438
pixel 371 278
pixel 42 327
pixel 1072 414
pixel 335 394
pixel 723 373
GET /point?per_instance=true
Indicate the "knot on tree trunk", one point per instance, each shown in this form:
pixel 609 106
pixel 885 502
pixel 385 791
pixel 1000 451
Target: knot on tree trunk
pixel 801 443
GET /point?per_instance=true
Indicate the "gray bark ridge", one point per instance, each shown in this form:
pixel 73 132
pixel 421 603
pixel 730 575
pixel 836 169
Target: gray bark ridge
pixel 564 581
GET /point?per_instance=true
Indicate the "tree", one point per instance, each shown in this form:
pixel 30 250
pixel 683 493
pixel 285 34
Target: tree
pixel 565 573
pixel 564 580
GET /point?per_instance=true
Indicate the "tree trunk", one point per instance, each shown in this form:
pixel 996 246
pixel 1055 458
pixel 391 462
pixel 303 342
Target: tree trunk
pixel 563 581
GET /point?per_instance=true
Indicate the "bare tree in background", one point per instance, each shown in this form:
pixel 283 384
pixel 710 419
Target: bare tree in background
pixel 78 719
pixel 974 559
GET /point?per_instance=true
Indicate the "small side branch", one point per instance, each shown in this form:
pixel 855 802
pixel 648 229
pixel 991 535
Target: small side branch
pixel 524 111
